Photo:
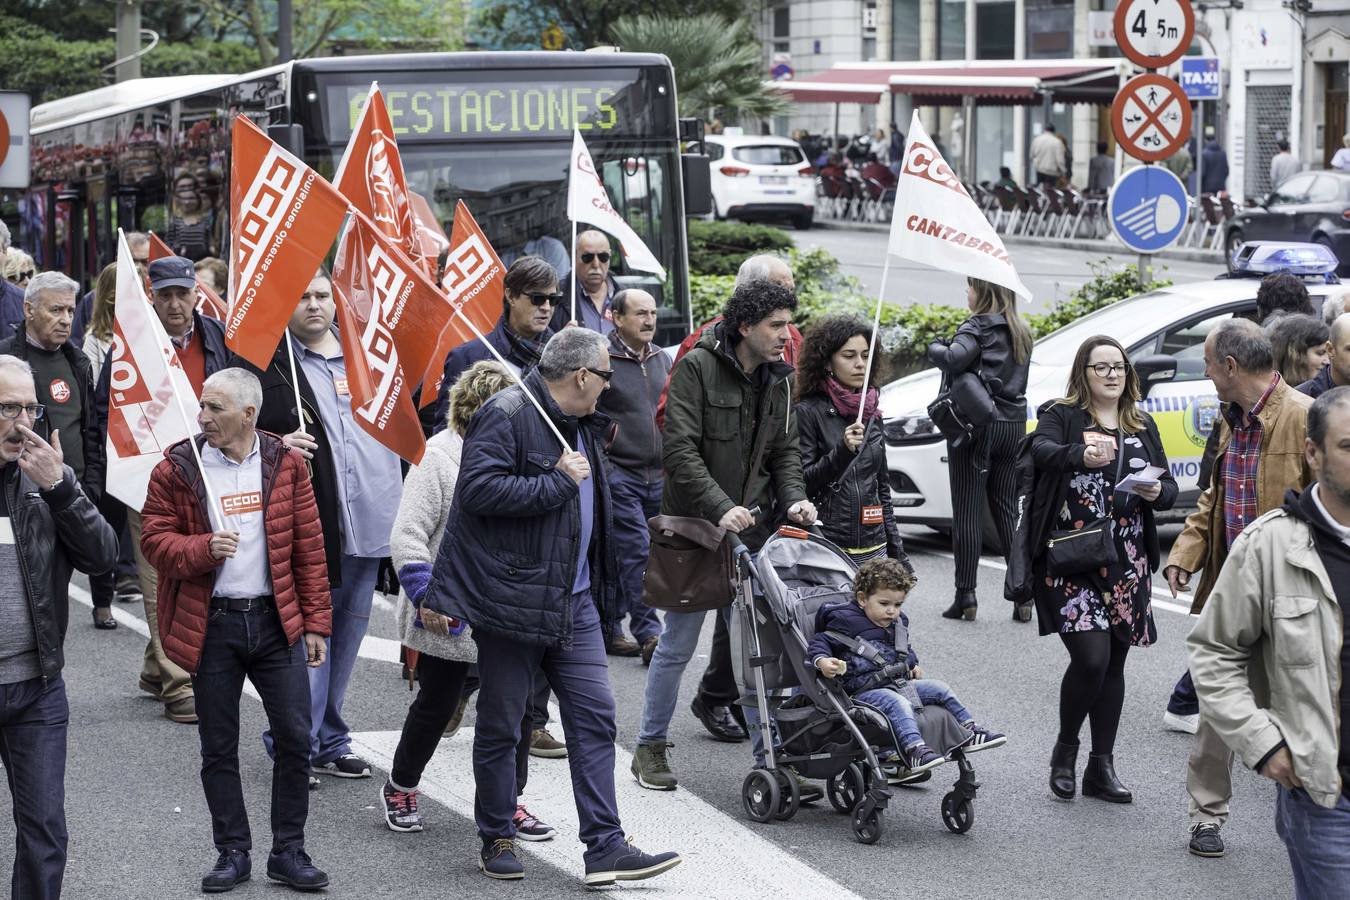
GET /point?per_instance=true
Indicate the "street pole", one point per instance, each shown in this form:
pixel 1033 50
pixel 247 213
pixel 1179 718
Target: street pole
pixel 285 21
pixel 1199 153
pixel 128 40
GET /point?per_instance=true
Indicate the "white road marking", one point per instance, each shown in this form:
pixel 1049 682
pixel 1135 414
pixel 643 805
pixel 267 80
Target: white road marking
pixel 722 855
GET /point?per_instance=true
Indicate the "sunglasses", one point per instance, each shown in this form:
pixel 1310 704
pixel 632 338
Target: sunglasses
pixel 604 375
pixel 589 258
pixel 541 299
pixel 23 276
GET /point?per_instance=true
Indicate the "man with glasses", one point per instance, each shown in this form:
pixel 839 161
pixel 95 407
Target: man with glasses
pixel 357 484
pixel 1260 458
pixel 595 286
pixel 47 526
pixel 199 341
pixel 528 558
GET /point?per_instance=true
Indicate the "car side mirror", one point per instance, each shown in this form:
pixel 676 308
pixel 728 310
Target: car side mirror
pixel 1154 369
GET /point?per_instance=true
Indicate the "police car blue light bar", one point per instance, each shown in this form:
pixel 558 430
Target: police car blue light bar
pixel 1264 257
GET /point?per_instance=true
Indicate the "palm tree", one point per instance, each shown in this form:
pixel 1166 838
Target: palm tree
pixel 719 66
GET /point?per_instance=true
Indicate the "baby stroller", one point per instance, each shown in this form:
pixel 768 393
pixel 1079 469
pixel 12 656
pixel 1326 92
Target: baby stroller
pixel 821 731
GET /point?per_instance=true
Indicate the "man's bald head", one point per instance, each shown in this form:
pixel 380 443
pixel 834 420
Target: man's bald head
pixel 1339 359
pixel 765 267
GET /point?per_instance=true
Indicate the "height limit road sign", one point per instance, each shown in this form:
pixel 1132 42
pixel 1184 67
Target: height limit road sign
pixel 1151 117
pixel 1154 33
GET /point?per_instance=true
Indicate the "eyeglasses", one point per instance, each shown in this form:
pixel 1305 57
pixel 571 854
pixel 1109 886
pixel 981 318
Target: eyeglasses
pixel 1105 370
pixel 588 258
pixel 541 299
pixel 604 375
pixel 12 410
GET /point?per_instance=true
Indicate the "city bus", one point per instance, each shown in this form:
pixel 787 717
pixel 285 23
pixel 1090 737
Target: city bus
pixel 492 129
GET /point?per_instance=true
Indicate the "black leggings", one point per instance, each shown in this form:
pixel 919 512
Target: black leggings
pixel 1093 687
pixel 440 685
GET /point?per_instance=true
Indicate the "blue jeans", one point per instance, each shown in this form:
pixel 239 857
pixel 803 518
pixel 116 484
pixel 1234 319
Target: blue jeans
pixel 901 713
pixel 678 642
pixel 579 676
pixel 33 721
pixel 253 644
pixel 329 736
pixel 1318 841
pixel 635 501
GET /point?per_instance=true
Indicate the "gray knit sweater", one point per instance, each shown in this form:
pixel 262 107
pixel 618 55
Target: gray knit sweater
pixel 427 492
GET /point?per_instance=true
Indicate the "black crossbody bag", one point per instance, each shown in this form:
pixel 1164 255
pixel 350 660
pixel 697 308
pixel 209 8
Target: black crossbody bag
pixel 1075 551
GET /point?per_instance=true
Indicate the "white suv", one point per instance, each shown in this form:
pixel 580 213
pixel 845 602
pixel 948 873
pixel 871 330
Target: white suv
pixel 762 177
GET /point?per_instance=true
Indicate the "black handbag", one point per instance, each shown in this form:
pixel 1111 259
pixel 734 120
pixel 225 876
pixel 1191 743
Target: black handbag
pixel 963 406
pixel 1076 551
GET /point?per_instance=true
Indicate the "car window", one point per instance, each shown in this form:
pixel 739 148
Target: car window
pixel 1186 343
pixel 1294 190
pixel 769 155
pixel 1324 190
pixel 715 151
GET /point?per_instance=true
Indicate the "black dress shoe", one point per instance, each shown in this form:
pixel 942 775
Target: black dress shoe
pixel 1022 612
pixel 1063 774
pixel 719 721
pixel 231 868
pixel 293 867
pixel 1099 780
pixel 107 623
pixel 963 607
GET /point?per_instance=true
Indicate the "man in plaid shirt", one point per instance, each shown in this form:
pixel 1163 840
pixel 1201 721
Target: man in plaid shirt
pixel 1260 458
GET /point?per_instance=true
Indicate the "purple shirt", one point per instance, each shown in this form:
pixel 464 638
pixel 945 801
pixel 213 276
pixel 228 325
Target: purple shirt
pixel 587 488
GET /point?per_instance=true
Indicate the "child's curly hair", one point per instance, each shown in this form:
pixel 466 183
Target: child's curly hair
pixel 882 575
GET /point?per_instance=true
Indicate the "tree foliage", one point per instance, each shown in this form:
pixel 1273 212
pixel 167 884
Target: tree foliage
pixel 586 23
pixel 719 66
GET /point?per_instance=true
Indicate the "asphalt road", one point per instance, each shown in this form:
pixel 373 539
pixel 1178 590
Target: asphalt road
pixel 140 829
pixel 1051 273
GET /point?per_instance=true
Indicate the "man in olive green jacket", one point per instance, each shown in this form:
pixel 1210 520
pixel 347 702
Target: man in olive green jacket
pixel 729 446
pixel 1278 608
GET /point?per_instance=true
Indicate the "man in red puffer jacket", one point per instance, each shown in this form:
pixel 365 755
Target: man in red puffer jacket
pixel 233 532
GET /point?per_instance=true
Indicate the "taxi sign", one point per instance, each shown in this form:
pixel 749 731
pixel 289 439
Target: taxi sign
pixel 1151 117
pixel 1154 33
pixel 1201 78
pixel 1147 208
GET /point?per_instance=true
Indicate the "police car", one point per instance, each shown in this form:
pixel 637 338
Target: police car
pixel 1163 332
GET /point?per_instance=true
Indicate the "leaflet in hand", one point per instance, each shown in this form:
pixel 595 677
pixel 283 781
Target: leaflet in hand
pixel 1146 477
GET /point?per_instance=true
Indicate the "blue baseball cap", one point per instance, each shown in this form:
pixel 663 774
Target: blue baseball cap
pixel 172 271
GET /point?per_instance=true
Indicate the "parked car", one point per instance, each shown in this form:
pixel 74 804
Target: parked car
pixel 1307 206
pixel 756 178
pixel 1163 332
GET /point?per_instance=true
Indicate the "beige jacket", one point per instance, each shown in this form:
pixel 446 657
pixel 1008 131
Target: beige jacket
pixel 1273 606
pixel 1048 154
pixel 1282 467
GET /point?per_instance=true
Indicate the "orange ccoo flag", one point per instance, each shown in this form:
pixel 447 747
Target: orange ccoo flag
pixel 474 282
pixel 283 219
pixel 208 301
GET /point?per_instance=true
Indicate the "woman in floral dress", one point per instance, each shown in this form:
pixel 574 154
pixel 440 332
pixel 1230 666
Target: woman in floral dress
pixel 1083 447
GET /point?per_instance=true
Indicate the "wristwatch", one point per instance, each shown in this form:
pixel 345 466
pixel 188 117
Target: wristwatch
pixel 53 486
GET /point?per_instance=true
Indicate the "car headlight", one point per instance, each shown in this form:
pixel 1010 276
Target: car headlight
pixel 909 429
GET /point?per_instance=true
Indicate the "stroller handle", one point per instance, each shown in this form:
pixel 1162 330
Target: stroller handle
pixel 739 550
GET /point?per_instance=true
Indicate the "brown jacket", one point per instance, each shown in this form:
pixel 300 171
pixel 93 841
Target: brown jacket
pixel 1284 426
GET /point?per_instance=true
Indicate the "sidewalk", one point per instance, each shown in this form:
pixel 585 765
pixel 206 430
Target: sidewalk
pixel 1109 245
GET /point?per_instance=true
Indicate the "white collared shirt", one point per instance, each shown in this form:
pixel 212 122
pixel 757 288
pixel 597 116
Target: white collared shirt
pixel 238 489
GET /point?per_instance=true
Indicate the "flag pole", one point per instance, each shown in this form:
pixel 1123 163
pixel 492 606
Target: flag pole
pixel 212 500
pixel 520 381
pixel 574 270
pixel 872 346
pixel 295 381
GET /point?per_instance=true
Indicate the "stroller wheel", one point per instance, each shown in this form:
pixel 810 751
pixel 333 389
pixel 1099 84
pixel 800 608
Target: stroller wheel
pixel 846 788
pixel 760 795
pixel 867 824
pixel 789 795
pixel 957 815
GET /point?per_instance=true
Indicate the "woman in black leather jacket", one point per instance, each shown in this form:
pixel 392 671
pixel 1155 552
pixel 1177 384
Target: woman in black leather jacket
pixel 844 462
pixel 995 344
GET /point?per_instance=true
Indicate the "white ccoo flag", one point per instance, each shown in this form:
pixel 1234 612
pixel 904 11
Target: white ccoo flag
pixel 937 223
pixel 145 384
pixel 587 201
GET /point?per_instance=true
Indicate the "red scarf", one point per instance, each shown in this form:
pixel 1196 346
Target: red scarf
pixel 845 400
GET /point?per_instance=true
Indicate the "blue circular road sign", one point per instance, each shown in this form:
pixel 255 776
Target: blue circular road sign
pixel 1147 208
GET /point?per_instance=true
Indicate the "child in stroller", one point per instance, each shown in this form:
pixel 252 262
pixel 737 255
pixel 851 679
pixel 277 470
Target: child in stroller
pixel 866 642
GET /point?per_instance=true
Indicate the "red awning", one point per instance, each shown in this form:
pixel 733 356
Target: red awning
pixel 990 82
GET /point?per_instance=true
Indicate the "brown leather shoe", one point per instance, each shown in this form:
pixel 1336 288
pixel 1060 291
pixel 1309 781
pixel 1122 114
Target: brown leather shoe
pixel 183 711
pixel 622 646
pixel 649 650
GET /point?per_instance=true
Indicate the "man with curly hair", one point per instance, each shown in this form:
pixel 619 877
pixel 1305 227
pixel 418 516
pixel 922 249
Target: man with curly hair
pixel 729 447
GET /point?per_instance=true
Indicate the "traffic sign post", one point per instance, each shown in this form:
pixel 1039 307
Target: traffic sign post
pixel 1151 117
pixel 1154 33
pixel 1147 209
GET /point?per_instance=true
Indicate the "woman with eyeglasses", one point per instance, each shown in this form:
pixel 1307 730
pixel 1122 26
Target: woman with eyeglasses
pixel 1085 447
pixel 995 344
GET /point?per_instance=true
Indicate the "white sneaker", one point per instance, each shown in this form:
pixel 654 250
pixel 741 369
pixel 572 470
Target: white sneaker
pixel 1177 722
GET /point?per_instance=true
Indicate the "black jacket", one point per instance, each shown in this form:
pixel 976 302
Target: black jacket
pixel 518 351
pixel 841 483
pixel 278 416
pixel 508 558
pixel 631 403
pixel 1317 385
pixel 1048 458
pixel 91 434
pixel 53 532
pixel 983 345
pixel 846 617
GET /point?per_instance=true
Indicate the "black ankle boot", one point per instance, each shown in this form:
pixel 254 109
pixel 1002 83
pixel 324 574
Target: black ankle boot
pixel 963 607
pixel 1099 780
pixel 1063 774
